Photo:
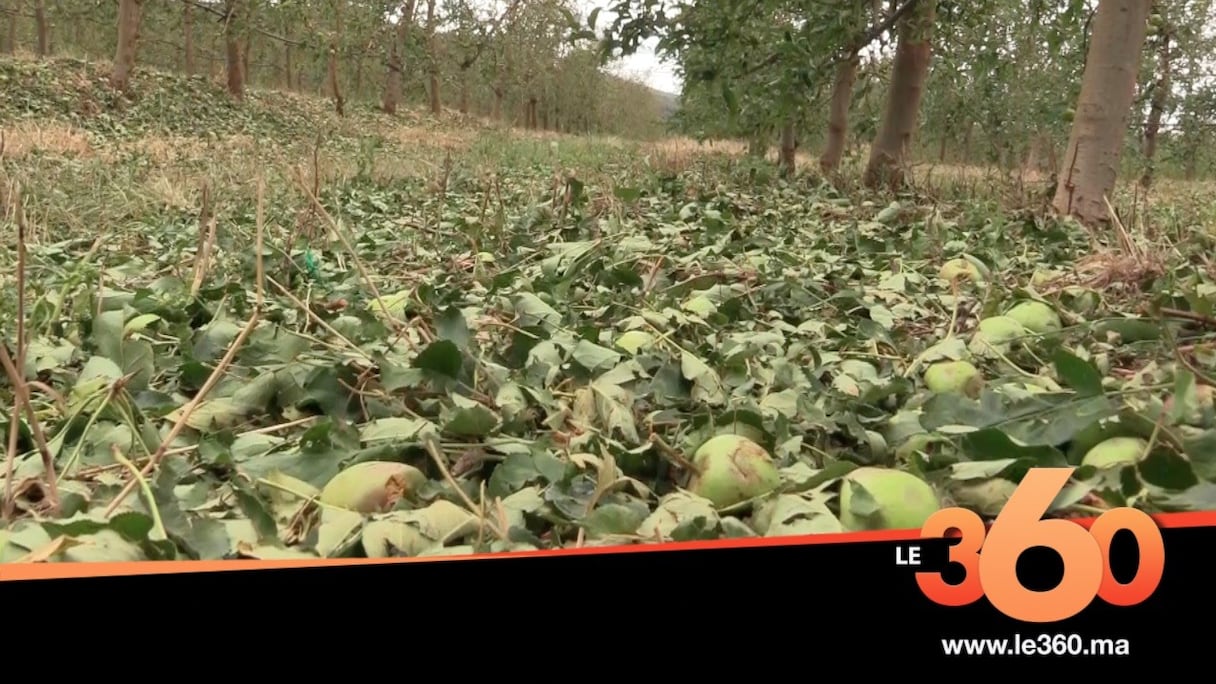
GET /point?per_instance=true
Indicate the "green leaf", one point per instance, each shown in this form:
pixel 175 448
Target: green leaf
pixel 533 311
pixel 614 519
pixel 395 429
pixel 1078 373
pixel 1185 397
pixel 1167 470
pixel 1201 450
pixel 442 357
pixel 593 357
pixel 451 326
pixel 256 511
pixel 981 470
pixel 472 421
pixel 991 444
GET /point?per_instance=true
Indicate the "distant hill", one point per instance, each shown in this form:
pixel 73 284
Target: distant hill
pixel 670 101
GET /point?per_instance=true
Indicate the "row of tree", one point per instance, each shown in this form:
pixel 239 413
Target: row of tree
pixel 1069 87
pixel 511 60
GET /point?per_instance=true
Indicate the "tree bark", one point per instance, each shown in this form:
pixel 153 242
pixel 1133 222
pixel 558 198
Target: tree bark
pixel 899 123
pixel 1156 110
pixel 10 45
pixel 433 50
pixel 188 36
pixel 1095 146
pixel 232 50
pixel 757 146
pixel 128 41
pixel 498 96
pixel 246 48
pixel 394 82
pixel 838 114
pixel 334 89
pixel 789 149
pixel 288 60
pixel 44 29
pixel 464 90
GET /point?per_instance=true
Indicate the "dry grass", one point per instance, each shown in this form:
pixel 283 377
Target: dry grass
pixel 29 137
pixel 418 136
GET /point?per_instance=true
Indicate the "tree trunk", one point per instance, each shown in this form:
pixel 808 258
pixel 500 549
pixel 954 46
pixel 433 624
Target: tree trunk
pixel 288 66
pixel 232 50
pixel 334 89
pixel 44 29
pixel 10 45
pixel 1091 160
pixel 757 146
pixel 498 95
pixel 433 50
pixel 335 40
pixel 188 36
pixel 392 78
pixel 246 48
pixel 838 114
pixel 789 149
pixel 912 55
pixel 1156 109
pixel 1040 157
pixel 394 82
pixel 128 41
pixel 463 90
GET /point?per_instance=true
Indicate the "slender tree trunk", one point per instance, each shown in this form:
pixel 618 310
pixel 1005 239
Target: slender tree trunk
pixel 232 50
pixel 433 50
pixel 392 78
pixel 464 90
pixel 334 88
pixel 246 49
pixel 1156 109
pixel 128 41
pixel 10 45
pixel 188 36
pixel 498 95
pixel 288 61
pixel 1038 144
pixel 899 123
pixel 838 114
pixel 789 149
pixel 1091 160
pixel 44 28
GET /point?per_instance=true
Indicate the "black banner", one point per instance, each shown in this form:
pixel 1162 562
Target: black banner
pixel 821 603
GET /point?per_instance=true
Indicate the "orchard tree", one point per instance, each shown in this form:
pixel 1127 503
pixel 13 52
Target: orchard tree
pixel 1091 161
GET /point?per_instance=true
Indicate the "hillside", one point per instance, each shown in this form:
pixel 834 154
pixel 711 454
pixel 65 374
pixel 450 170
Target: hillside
pixel 670 101
pixel 367 335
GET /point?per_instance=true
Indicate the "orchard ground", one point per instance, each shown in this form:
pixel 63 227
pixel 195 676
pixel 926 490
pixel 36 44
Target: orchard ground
pixel 541 330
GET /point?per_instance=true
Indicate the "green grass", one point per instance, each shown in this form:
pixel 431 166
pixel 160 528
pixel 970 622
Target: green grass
pixel 540 331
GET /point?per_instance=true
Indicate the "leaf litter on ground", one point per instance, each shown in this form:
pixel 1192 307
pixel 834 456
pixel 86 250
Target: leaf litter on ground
pixel 549 362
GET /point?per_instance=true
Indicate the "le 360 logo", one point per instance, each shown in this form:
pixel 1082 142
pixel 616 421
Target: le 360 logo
pixel 990 557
